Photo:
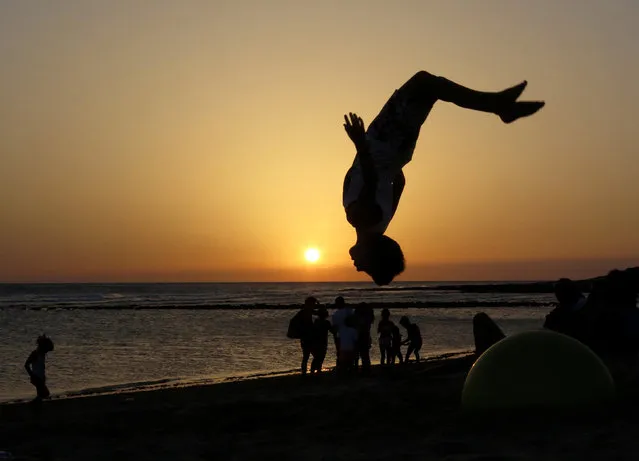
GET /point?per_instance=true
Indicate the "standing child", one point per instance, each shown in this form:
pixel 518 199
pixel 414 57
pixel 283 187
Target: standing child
pixel 396 345
pixel 35 366
pixel 321 328
pixel 414 338
pixel 385 332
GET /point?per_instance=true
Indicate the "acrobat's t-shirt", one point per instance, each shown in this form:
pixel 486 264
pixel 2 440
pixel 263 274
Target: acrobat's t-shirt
pixel 382 196
pixel 391 138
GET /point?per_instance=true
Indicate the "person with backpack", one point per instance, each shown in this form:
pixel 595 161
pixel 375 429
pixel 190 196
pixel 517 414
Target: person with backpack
pixel 301 327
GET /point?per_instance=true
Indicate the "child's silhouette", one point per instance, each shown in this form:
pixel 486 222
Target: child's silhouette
pixel 35 366
pixel 414 338
pixel 385 332
pixel 396 345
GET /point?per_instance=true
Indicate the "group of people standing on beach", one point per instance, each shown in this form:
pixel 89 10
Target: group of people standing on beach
pixel 351 331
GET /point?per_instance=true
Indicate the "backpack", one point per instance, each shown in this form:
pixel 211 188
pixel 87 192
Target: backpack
pixel 295 327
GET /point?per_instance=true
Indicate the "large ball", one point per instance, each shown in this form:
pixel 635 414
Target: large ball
pixel 537 369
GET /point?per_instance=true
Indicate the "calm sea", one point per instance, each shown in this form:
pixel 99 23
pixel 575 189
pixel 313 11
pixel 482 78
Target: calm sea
pixel 125 336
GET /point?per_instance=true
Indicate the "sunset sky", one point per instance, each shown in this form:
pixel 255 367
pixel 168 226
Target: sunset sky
pixel 167 140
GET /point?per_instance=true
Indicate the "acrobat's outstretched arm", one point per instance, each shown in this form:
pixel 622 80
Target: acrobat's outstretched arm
pixel 398 187
pixel 355 129
pixel 363 212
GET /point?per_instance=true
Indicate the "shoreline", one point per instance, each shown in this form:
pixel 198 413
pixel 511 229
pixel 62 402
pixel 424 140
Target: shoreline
pixel 190 382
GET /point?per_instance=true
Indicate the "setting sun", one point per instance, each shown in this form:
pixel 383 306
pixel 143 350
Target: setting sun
pixel 312 255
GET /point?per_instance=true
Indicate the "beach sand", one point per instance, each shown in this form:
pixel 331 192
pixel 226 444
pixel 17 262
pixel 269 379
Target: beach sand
pixel 400 414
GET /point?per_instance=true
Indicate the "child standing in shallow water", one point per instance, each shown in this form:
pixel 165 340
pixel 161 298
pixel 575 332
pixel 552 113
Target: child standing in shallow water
pixel 414 339
pixel 396 345
pixel 35 366
pixel 385 332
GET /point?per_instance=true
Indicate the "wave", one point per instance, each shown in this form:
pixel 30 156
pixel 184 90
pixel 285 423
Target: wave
pixel 260 306
pixel 532 287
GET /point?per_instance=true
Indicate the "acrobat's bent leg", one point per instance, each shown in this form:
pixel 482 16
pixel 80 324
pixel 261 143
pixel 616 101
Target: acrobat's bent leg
pixel 430 88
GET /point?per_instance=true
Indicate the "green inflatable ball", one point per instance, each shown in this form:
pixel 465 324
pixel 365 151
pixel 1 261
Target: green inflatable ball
pixel 537 369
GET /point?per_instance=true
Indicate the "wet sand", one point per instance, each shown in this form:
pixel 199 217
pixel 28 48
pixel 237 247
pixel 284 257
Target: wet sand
pixel 400 414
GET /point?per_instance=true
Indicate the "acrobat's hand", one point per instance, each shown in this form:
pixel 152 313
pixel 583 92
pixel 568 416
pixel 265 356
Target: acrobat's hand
pixel 355 129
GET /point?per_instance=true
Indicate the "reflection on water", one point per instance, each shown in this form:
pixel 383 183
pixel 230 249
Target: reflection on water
pixel 168 295
pixel 98 348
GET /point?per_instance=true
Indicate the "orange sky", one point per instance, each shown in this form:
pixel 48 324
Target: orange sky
pixel 202 140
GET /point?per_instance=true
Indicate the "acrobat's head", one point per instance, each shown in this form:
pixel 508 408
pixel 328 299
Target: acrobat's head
pixel 44 343
pixel 379 256
pixel 385 314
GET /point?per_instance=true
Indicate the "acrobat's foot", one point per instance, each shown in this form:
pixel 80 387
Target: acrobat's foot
pixel 520 109
pixel 510 95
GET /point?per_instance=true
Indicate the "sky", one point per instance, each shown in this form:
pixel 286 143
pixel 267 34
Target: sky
pixel 202 140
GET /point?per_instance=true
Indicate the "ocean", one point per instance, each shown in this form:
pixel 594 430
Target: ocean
pixel 117 337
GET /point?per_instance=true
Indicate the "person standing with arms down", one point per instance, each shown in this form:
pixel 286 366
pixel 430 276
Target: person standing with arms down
pixel 35 366
pixel 301 327
pixel 364 319
pixel 338 321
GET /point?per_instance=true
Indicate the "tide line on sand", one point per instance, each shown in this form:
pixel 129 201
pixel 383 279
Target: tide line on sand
pixel 175 383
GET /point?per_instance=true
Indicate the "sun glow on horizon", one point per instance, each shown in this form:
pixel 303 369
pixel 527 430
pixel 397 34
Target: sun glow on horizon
pixel 312 255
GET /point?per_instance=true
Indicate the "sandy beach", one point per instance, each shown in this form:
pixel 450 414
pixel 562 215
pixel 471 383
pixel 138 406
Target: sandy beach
pixel 401 413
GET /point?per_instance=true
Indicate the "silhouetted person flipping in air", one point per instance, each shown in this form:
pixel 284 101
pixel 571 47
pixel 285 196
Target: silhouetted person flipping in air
pixel 35 366
pixel 321 328
pixel 374 183
pixel 413 339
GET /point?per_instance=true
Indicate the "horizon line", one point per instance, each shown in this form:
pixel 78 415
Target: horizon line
pixel 194 282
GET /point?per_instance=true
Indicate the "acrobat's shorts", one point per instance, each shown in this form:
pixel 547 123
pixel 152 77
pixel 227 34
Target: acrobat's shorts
pixel 393 133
